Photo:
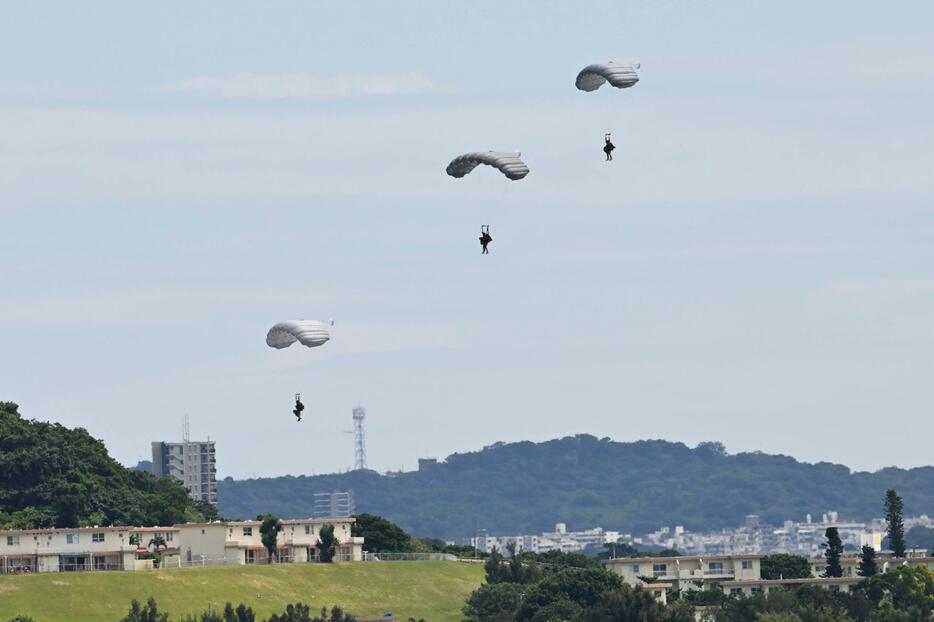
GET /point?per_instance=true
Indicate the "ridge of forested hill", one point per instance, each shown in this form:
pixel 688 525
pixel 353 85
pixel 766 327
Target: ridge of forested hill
pixel 587 482
pixel 53 476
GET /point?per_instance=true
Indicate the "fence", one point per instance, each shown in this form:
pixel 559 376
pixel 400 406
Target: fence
pixel 386 557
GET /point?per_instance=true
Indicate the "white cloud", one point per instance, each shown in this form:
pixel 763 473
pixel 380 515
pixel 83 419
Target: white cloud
pixel 306 86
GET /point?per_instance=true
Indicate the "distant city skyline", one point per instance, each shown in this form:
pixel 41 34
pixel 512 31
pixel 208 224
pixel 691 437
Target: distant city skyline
pixel 754 267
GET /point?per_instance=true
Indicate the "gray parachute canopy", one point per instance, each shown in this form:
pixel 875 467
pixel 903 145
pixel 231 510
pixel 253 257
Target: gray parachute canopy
pixel 620 75
pixel 309 333
pixel 509 164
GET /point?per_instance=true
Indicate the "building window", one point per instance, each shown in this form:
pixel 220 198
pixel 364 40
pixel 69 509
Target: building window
pixel 658 593
pixel 307 530
pixel 834 588
pixel 72 538
pixel 169 536
pixel 97 537
pixel 247 532
pixel 715 567
pixel 249 556
pixel 659 570
pixel 747 564
pixel 12 540
pixel 634 569
pixel 756 590
pixel 736 591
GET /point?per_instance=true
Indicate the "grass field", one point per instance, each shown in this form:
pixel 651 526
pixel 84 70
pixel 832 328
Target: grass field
pixel 432 590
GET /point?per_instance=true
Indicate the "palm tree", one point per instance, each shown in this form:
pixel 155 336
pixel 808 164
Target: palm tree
pixel 158 541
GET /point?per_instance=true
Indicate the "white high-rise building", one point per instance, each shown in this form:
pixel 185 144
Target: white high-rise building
pixel 192 463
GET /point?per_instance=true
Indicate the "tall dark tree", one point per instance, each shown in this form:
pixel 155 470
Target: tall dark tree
pixel 380 534
pixel 867 562
pixel 896 529
pixel 269 534
pixel 833 551
pixel 327 543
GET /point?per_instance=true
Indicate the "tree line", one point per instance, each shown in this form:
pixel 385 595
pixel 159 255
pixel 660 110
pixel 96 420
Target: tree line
pixel 585 482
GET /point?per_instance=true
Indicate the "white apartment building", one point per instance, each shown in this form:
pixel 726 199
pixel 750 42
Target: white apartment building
pixel 240 542
pixel 194 464
pixel 686 573
pixel 62 550
pixel 110 548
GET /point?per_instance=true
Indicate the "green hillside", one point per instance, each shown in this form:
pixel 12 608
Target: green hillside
pixel 586 482
pixel 432 590
pixel 53 476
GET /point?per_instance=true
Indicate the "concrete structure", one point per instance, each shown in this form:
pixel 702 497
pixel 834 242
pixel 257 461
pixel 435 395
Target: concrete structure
pixel 65 550
pixel 686 573
pixel 190 544
pixel 193 463
pixel 335 504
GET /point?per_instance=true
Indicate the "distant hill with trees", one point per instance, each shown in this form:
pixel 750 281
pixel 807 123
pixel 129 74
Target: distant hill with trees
pixel 53 476
pixel 587 482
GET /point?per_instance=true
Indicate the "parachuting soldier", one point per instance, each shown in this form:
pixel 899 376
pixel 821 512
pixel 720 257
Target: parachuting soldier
pixel 485 239
pixel 299 407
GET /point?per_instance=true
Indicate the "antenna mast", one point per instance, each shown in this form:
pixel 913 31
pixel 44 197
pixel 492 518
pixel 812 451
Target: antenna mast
pixel 359 443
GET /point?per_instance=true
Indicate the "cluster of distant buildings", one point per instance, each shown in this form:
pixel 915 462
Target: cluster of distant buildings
pixel 805 538
pixel 753 537
pixel 558 540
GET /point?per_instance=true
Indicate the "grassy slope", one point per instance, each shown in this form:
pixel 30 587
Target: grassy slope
pixel 432 590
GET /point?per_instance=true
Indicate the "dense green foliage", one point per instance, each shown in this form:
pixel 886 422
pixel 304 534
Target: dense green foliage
pixel 584 481
pixel 538 587
pixel 628 603
pixel 380 534
pixel 896 526
pixel 51 476
pixel 784 566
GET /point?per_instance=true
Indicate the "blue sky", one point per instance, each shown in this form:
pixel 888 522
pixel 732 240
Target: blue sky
pixel 754 267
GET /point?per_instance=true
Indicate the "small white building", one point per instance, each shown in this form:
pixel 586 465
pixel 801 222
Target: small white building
pixel 63 550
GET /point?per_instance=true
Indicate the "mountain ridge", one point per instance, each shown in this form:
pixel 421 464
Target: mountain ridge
pixel 635 487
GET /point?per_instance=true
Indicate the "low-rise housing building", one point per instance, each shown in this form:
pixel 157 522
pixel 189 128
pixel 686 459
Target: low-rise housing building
pixel 133 548
pixel 687 572
pixel 736 575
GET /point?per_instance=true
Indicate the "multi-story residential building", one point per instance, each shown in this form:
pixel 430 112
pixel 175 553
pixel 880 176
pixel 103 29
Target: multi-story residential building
pixel 686 573
pixel 240 542
pixel 121 548
pixel 192 463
